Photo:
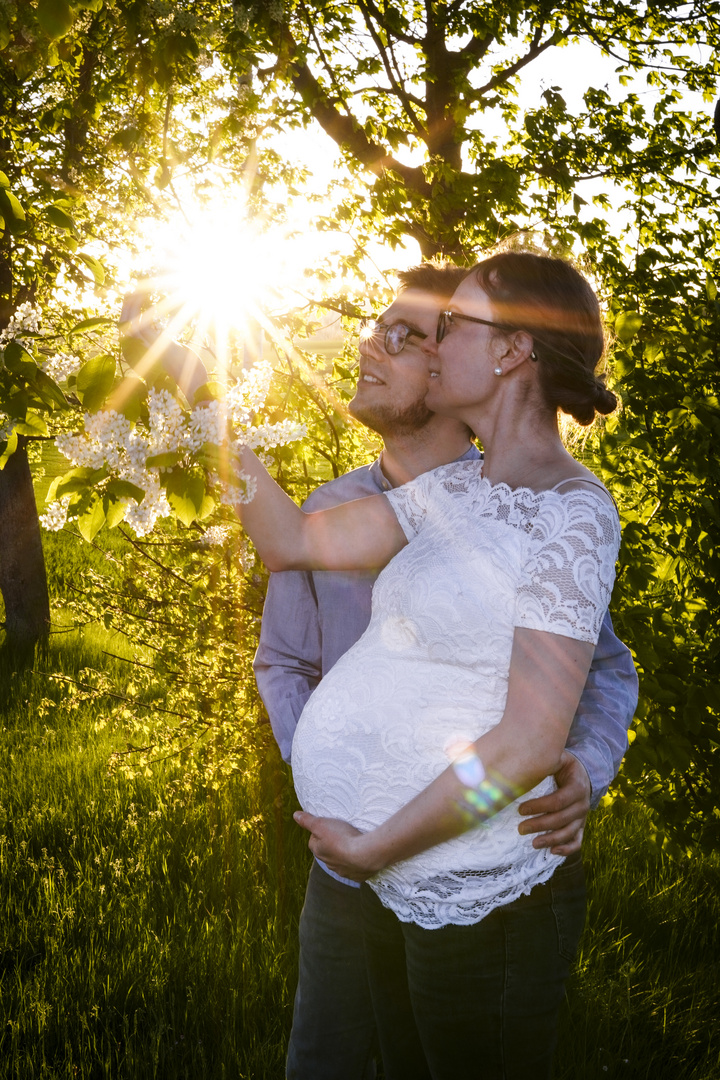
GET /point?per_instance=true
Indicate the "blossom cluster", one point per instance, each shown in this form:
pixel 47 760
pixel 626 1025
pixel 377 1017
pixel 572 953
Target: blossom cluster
pixel 111 441
pixel 61 366
pixel 56 515
pixel 25 319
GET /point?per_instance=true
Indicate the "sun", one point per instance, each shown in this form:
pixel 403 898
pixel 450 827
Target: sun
pixel 219 274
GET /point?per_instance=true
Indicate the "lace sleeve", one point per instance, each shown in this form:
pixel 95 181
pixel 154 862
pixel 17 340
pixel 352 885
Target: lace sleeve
pixel 568 575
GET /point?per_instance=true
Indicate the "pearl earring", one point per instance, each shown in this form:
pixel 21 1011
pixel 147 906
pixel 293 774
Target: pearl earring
pixel 498 371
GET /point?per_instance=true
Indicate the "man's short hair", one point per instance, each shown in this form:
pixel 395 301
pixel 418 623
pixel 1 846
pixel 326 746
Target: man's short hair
pixel 439 278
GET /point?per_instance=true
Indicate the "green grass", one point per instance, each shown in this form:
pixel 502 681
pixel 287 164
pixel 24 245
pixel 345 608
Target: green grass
pixel 645 997
pixel 145 930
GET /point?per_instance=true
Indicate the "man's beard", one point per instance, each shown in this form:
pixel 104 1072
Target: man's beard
pixel 387 421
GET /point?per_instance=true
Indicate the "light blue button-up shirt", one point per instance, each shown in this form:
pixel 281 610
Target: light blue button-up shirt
pixel 311 618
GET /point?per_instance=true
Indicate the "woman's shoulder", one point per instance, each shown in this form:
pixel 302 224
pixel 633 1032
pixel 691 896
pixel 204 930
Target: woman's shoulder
pixel 586 485
pixel 580 506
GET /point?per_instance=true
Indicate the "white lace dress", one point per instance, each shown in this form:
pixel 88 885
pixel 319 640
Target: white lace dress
pixel 431 671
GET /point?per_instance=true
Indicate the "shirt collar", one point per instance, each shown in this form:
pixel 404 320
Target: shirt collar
pixel 383 484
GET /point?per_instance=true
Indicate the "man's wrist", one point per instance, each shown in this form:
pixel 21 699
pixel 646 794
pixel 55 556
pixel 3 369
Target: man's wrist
pixel 583 774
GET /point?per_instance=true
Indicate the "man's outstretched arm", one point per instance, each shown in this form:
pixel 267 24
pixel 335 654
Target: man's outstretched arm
pixel 595 747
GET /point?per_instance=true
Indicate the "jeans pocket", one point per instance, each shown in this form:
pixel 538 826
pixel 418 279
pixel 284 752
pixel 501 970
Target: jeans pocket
pixel 567 886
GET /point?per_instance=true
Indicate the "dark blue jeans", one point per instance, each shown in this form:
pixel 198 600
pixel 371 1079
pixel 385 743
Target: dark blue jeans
pixel 480 1001
pixel 333 1033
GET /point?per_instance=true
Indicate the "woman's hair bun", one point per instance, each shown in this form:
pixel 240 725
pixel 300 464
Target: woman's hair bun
pixel 605 401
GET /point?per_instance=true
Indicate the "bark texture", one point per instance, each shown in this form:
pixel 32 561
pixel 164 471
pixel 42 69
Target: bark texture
pixel 23 581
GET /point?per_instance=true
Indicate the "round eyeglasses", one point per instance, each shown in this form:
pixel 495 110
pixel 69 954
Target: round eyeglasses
pixel 396 334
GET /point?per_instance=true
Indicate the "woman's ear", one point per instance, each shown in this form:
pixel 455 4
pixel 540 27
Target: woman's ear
pixel 517 347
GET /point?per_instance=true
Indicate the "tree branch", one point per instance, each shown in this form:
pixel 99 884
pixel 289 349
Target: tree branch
pixel 346 131
pixel 535 50
pixel 379 15
pixel 366 6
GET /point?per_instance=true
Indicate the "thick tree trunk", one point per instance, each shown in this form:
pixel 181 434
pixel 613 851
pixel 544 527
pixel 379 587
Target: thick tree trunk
pixel 23 581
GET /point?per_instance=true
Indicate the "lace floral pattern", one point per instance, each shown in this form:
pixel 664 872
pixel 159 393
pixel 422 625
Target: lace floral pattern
pixel 431 671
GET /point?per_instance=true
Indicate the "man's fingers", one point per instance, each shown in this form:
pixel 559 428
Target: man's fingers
pixel 550 822
pixel 570 847
pixel 560 837
pixel 548 804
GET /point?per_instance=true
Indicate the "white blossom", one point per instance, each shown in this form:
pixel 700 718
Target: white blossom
pixel 60 366
pixel 56 516
pixel 239 493
pixel 215 536
pixel 267 435
pixel 25 319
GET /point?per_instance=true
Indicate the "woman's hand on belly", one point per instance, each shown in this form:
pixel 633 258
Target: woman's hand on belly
pixel 339 845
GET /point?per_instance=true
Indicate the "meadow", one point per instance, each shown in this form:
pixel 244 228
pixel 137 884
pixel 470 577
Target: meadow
pixel 148 926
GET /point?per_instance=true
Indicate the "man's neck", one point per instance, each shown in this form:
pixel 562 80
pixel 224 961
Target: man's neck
pixel 406 456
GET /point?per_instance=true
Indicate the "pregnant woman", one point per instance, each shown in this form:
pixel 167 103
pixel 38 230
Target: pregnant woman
pixel 410 755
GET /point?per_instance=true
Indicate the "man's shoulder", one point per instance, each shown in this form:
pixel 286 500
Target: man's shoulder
pixel 356 484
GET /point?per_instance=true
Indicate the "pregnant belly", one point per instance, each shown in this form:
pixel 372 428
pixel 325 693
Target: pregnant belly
pixel 366 744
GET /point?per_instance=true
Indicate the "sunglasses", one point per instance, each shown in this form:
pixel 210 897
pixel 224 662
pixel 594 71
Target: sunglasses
pixel 396 335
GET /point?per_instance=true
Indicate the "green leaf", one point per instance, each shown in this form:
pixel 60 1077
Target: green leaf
pixel 10 448
pixel 19 361
pixel 50 497
pixel 627 325
pixel 133 350
pixel 92 520
pixel 11 210
pixel 186 495
pixel 623 364
pixel 114 511
pixel 32 425
pixel 95 267
pixel 80 479
pixel 213 458
pixel 128 398
pixel 164 461
pixel 60 217
pixel 49 391
pixel 55 17
pixel 4 182
pixel 711 288
pixel 123 489
pixel 95 381
pixel 88 324
pixel 209 391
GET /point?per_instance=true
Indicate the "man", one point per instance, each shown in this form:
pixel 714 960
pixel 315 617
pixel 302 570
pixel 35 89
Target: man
pixel 311 619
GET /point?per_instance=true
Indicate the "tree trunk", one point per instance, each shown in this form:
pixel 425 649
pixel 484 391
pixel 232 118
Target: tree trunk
pixel 23 581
